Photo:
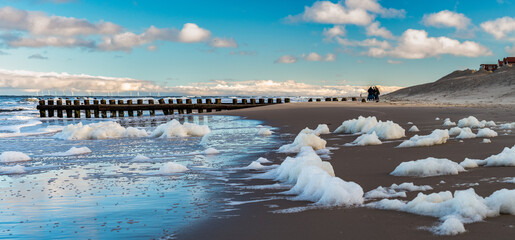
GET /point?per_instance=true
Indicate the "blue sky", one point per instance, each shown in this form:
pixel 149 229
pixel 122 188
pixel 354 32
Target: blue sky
pixel 261 40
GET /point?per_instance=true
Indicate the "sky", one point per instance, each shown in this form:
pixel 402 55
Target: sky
pixel 288 47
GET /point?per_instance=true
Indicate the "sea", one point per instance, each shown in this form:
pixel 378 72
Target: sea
pixel 105 194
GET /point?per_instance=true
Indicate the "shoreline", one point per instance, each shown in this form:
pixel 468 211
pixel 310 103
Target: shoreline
pixel 368 166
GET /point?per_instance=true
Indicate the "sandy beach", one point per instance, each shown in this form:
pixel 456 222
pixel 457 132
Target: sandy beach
pixel 368 166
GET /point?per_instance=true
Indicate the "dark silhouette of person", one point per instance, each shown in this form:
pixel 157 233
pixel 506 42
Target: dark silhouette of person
pixel 376 93
pixel 370 94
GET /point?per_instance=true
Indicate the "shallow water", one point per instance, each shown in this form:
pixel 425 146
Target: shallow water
pixel 104 194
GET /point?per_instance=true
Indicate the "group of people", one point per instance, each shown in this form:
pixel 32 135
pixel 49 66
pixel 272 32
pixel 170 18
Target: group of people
pixel 373 94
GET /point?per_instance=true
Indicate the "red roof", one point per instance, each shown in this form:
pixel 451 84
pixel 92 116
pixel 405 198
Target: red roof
pixel 510 59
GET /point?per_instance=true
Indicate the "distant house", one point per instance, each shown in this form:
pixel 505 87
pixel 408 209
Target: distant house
pixel 509 60
pixel 501 63
pixel 489 67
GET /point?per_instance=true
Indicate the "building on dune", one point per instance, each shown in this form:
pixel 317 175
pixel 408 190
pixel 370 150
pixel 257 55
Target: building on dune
pixel 492 67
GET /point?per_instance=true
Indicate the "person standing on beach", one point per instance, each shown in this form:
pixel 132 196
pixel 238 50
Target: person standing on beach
pixel 370 94
pixel 376 93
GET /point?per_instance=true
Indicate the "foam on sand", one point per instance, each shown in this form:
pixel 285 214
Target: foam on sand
pixel 12 156
pixel 101 130
pixel 17 169
pixel 140 158
pixel 314 180
pixel 306 137
pixel 395 190
pixel 171 168
pixel 73 151
pixel 413 129
pixel 384 130
pixel 507 125
pixel 366 139
pixel 486 132
pixel 174 128
pixel 486 140
pixel 263 160
pixel 322 129
pixel 264 132
pixel 438 136
pixel 504 159
pixel 447 122
pixel 466 133
pixel 454 131
pixel 464 207
pixel 428 167
pixel 473 122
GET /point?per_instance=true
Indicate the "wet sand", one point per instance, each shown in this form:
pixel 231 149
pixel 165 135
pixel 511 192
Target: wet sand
pixel 369 167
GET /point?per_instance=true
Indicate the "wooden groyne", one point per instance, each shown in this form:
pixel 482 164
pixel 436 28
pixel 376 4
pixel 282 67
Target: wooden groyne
pixel 119 108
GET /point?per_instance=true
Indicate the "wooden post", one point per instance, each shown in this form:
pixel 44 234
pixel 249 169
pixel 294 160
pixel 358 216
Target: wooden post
pixel 270 100
pixel 88 112
pixel 180 110
pixel 42 113
pixel 51 110
pixel 68 111
pixel 344 99
pixel 140 112
pixel 95 111
pixel 261 101
pixel 327 99
pixel 310 100
pixel 244 101
pixel 199 110
pixel 234 101
pixel 76 112
pixel 170 111
pixel 218 101
pixel 113 113
pixel 120 112
pixel 59 111
pixel 354 99
pixel 189 110
pixel 104 113
pixel 278 100
pixel 318 99
pixel 335 99
pixel 287 100
pixel 208 101
pixel 130 112
pixel 252 101
pixel 152 112
pixel 162 101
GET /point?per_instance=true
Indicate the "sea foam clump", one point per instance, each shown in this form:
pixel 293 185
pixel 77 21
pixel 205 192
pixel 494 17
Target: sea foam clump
pixel 447 122
pixel 17 169
pixel 473 122
pixel 306 137
pixel 504 159
pixel 395 190
pixel 171 168
pixel 428 167
pixel 12 156
pixel 438 136
pixel 466 133
pixel 486 132
pixel 322 129
pixel 464 207
pixel 384 130
pixel 314 180
pixel 175 129
pixel 73 151
pixel 413 129
pixel 366 139
pixel 101 130
pixel 264 132
pixel 507 125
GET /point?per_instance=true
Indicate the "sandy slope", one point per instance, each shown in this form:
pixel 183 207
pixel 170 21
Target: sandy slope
pixel 462 87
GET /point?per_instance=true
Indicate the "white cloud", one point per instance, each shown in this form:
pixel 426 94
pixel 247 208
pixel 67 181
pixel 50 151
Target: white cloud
pixel 330 57
pixel 331 33
pixel 333 13
pixel 30 81
pixel 191 33
pixel 151 47
pixel 286 59
pixel 415 44
pixel 53 41
pixel 446 18
pixel 38 23
pixel 313 56
pixel 374 7
pixel 500 28
pixel 223 43
pixel 374 30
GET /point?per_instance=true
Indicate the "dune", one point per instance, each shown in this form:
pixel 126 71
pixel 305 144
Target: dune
pixel 464 87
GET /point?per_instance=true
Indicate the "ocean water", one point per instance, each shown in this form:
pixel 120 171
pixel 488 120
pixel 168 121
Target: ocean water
pixel 106 195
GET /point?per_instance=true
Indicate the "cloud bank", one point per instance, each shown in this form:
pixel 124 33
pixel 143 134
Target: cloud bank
pixel 32 82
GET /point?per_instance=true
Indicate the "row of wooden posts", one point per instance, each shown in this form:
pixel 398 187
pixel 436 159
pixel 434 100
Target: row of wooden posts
pixel 332 99
pixel 100 108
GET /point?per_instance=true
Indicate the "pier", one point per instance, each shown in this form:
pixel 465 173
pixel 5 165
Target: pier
pixel 120 108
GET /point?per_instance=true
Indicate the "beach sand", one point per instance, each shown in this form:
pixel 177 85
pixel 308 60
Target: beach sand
pixel 369 167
